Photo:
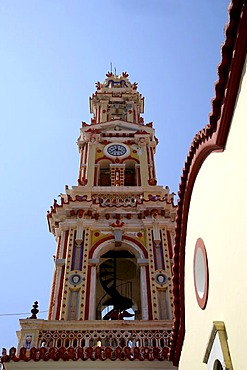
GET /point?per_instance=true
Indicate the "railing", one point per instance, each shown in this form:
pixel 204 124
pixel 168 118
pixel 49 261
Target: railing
pixel 106 200
pixel 104 338
pixel 92 339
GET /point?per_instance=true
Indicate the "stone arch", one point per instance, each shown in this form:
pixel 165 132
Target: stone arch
pixel 132 245
pixel 130 274
pixel 130 175
pixel 104 175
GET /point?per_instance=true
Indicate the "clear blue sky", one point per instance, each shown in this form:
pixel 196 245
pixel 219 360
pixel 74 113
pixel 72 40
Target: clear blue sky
pixel 52 53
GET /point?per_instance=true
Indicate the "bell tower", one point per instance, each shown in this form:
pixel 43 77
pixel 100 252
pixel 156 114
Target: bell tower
pixel 111 295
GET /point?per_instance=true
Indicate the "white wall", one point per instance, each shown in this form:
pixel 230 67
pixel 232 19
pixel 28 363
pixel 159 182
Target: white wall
pixel 218 214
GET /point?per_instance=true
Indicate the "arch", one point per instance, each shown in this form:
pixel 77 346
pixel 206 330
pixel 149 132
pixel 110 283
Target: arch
pixel 129 284
pixel 104 158
pixel 130 175
pixel 133 246
pixel 131 159
pixel 104 176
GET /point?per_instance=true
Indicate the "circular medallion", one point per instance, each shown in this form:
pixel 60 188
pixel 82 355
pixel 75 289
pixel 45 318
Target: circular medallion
pixel 161 278
pixel 75 279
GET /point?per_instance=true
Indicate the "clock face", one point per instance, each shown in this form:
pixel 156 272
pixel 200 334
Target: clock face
pixel 116 150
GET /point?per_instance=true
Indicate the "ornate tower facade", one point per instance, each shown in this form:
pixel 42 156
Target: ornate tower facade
pixel 114 229
pixel 111 295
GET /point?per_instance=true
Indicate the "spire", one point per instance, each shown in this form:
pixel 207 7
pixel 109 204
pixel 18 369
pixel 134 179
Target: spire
pixel 116 99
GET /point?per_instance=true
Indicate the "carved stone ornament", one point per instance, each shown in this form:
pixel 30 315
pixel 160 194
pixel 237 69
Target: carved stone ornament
pixel 161 279
pixel 75 279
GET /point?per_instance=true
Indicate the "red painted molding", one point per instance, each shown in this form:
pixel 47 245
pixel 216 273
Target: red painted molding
pixel 87 353
pixel 91 252
pixel 111 237
pixel 140 245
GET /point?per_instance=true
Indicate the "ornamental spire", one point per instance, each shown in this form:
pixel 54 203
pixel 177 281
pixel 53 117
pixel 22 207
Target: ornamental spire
pixel 116 99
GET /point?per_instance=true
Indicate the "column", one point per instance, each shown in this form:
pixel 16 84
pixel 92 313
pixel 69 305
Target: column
pixel 143 287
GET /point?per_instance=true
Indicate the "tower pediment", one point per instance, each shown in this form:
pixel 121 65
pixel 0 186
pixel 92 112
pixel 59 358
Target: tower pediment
pixel 116 129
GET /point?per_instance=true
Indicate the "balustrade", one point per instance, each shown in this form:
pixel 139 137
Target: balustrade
pixel 104 338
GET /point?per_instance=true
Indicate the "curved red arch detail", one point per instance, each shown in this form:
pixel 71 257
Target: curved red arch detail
pixel 111 237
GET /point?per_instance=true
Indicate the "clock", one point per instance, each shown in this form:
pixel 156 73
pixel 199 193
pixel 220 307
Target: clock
pixel 116 150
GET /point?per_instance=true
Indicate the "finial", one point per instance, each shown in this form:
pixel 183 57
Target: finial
pixel 97 84
pixel 135 84
pixel 34 311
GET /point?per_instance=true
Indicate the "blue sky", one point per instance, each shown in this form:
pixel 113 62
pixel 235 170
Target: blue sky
pixel 52 53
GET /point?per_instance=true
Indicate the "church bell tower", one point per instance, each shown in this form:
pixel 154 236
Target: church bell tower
pixel 111 295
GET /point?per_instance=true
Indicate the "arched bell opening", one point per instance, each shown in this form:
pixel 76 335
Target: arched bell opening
pixel 118 285
pixel 130 175
pixel 104 177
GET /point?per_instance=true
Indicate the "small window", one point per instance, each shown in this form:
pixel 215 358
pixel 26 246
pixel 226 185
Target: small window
pixel 130 173
pixel 104 173
pixel 130 178
pixel 105 177
pixel 200 267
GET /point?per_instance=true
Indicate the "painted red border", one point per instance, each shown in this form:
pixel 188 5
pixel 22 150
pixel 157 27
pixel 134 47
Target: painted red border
pixel 111 237
pixel 54 282
pixel 201 301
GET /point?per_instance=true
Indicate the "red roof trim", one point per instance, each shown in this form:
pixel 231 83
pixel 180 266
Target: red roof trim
pixel 88 353
pixel 211 138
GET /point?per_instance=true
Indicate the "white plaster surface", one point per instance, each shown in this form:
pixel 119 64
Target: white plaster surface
pixel 218 214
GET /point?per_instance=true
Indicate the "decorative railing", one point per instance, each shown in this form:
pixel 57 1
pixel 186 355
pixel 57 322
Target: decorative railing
pixel 104 338
pixel 93 339
pixel 112 199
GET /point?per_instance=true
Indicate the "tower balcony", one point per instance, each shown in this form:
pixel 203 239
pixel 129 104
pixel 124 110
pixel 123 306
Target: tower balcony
pixel 131 195
pixel 95 340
